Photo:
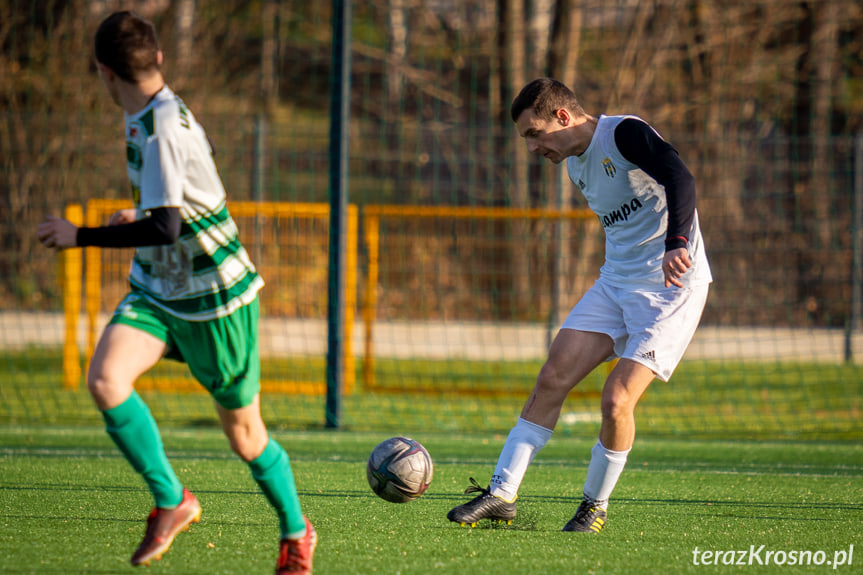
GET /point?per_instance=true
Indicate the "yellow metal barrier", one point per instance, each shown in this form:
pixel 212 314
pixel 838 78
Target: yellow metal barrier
pixel 96 274
pixel 98 271
pixel 72 268
pixel 372 216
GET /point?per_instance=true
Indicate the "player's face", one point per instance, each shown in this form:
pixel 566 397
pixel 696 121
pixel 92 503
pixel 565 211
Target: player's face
pixel 545 138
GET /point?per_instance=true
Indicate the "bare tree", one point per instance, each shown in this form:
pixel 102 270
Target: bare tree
pixel 715 49
pixel 541 25
pixel 397 30
pixel 269 80
pixel 572 271
pixel 824 53
pixel 518 185
pixel 185 25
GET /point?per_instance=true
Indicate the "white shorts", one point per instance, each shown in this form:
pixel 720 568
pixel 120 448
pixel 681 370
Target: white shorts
pixel 651 327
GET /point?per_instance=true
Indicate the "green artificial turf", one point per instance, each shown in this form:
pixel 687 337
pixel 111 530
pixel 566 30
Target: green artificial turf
pixel 71 504
pixel 704 399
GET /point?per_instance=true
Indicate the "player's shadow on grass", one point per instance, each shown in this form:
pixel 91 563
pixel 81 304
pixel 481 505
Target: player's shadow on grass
pixel 251 491
pixel 707 502
pixel 68 487
pixel 64 519
pixel 526 521
pixel 729 509
pixel 746 503
pixel 205 521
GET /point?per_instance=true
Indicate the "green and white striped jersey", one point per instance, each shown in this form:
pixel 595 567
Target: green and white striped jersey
pixel 207 273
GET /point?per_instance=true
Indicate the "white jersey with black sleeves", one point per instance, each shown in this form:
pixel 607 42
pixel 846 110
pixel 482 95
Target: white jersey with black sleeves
pixel 633 210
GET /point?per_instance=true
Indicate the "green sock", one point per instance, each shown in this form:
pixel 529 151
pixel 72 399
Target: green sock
pixel 133 429
pixel 272 471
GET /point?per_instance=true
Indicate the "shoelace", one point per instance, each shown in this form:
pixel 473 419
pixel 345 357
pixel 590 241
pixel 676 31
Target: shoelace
pixel 586 508
pixel 475 487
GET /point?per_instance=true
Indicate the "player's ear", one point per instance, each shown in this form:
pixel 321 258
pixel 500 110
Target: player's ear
pixel 104 71
pixel 564 118
pixel 159 58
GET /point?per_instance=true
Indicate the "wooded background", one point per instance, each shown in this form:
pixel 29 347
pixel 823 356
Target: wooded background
pixel 763 99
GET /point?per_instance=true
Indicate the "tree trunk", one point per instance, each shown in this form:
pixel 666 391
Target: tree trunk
pixel 518 190
pixel 184 21
pixel 571 274
pixel 823 53
pixel 719 69
pixel 398 49
pixel 541 27
pixel 269 81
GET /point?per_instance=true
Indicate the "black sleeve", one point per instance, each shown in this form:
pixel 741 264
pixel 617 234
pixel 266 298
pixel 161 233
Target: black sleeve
pixel 162 227
pixel 642 146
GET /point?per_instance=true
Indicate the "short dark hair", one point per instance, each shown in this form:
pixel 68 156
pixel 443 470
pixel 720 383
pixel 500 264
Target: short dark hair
pixel 127 44
pixel 545 96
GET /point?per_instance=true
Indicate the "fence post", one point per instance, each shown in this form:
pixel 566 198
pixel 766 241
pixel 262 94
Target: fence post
pixel 371 228
pixel 339 117
pixel 72 267
pixel 94 217
pixel 853 325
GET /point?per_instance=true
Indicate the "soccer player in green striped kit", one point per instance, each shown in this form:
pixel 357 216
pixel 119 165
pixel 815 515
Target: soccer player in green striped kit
pixel 193 297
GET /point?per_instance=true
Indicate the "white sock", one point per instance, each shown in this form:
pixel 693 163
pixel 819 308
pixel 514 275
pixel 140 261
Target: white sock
pixel 524 441
pixel 602 473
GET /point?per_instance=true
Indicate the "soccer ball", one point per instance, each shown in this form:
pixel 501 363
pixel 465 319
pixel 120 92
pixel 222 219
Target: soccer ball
pixel 399 469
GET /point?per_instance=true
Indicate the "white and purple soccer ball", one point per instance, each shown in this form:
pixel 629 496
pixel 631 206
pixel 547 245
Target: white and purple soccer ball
pixel 399 469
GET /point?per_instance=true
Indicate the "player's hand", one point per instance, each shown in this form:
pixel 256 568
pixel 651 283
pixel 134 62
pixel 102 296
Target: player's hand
pixel 675 263
pixel 126 216
pixel 58 233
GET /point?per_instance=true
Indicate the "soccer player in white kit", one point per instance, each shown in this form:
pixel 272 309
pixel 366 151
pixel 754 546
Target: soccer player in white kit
pixel 643 309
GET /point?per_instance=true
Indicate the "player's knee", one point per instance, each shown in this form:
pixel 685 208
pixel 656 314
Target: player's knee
pixel 107 392
pixel 240 449
pixel 98 384
pixel 239 445
pixel 617 406
pixel 246 442
pixel 551 381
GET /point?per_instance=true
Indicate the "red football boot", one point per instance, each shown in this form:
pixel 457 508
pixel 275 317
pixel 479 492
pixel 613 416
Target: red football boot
pixel 295 555
pixel 163 525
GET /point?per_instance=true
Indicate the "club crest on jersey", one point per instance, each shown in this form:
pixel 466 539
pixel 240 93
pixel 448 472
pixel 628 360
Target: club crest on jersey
pixel 136 131
pixel 610 170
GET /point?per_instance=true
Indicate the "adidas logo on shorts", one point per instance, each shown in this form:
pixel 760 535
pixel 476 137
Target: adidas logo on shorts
pixel 651 355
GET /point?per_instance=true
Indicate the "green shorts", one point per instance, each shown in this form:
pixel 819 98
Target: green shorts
pixel 222 353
